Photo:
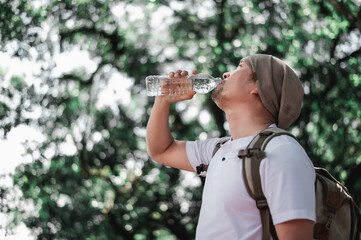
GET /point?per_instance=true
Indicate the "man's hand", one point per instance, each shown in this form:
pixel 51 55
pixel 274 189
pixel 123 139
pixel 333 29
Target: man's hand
pixel 181 84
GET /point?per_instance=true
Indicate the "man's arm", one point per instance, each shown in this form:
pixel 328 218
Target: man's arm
pixel 290 188
pixel 162 147
pixel 299 229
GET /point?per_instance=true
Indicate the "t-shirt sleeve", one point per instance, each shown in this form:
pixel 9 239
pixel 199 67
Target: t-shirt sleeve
pixel 288 178
pixel 200 152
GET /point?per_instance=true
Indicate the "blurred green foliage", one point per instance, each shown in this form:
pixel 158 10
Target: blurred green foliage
pixel 92 178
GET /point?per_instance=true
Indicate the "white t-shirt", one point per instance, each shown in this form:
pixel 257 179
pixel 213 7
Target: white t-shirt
pixel 227 211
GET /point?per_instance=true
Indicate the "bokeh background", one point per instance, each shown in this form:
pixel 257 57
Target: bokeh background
pixel 73 106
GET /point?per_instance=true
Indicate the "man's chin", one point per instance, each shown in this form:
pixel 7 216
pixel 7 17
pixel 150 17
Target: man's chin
pixel 216 94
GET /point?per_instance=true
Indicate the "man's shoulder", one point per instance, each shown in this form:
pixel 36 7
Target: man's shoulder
pixel 286 151
pixel 283 141
pixel 210 141
pixel 206 145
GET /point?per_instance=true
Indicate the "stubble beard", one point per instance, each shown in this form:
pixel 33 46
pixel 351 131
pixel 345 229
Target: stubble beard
pixel 217 97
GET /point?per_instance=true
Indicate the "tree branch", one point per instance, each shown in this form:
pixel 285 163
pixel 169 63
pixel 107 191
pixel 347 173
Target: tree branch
pixel 334 44
pixel 113 37
pixel 82 81
pixel 354 54
pixel 353 176
pixel 346 12
pixel 355 22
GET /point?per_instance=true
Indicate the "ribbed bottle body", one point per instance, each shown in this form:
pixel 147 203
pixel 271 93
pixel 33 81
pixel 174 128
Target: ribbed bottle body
pixel 164 85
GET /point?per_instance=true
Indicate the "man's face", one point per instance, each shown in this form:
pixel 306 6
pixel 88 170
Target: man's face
pixel 235 85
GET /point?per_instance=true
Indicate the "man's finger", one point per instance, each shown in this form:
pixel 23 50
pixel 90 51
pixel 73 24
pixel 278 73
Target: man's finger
pixel 184 73
pixel 177 73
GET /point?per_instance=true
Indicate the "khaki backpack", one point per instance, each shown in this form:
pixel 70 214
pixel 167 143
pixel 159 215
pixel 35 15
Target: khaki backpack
pixel 337 215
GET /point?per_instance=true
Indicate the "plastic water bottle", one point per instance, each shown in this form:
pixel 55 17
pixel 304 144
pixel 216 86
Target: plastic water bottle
pixel 164 85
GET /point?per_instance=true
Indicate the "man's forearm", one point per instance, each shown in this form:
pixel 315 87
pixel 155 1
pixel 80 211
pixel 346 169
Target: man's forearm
pixel 159 137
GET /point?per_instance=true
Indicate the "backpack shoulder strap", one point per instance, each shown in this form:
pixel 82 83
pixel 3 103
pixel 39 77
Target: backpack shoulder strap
pixel 204 167
pixel 252 157
pixel 219 144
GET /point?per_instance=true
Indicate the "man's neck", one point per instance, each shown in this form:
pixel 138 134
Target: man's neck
pixel 244 124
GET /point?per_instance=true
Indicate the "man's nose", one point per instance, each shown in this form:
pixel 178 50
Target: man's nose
pixel 226 75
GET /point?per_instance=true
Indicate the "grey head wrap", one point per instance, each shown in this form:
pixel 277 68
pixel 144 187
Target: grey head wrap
pixel 279 88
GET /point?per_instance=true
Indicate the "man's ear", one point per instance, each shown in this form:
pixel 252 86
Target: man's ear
pixel 254 91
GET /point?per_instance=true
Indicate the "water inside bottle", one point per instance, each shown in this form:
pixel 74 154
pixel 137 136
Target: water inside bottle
pixel 163 85
pixel 204 84
pixel 153 86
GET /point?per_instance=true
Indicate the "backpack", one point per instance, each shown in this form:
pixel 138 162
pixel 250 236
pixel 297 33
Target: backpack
pixel 337 215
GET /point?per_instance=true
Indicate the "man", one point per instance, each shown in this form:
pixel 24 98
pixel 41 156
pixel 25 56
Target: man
pixel 262 92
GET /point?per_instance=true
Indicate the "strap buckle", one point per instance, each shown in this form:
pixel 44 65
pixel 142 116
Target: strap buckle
pixel 261 203
pixel 201 168
pixel 265 133
pixel 249 152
